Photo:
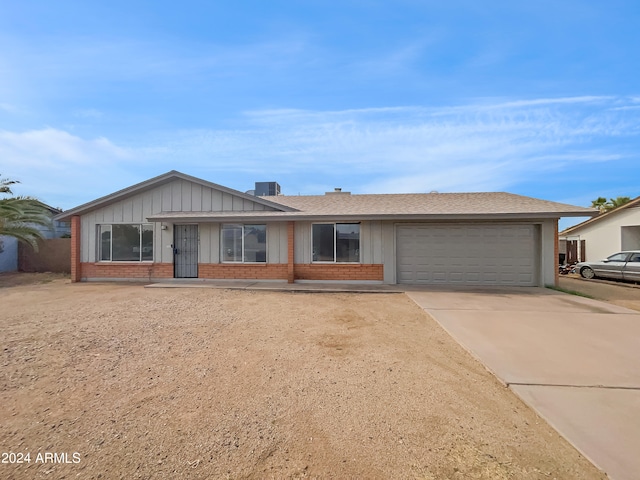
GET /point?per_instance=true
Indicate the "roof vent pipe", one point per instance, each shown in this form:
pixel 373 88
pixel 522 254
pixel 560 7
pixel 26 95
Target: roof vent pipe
pixel 337 191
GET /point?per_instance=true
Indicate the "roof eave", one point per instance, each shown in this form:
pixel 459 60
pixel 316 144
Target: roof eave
pixel 179 217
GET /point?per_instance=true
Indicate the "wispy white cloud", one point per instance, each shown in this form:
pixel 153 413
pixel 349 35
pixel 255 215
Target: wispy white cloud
pixel 475 147
pixel 482 146
pixel 57 166
pixel 53 148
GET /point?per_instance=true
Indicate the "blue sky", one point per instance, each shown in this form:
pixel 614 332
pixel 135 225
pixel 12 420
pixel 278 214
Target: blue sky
pixel 536 98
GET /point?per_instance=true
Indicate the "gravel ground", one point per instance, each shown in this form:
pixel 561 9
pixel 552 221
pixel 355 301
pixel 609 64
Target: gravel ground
pixel 207 383
pixel 623 294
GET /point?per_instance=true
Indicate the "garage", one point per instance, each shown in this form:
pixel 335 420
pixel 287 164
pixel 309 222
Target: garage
pixel 467 254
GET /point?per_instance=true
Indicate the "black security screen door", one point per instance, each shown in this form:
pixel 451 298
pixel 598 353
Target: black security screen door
pixel 185 251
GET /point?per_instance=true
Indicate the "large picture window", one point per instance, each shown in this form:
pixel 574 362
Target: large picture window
pixel 243 243
pixel 336 242
pixel 125 242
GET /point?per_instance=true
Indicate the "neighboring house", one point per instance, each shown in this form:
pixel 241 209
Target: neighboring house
pixel 604 235
pixel 9 245
pixel 178 226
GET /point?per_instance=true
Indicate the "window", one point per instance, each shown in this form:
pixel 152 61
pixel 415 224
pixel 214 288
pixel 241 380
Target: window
pixel 336 242
pixel 243 243
pixel 618 257
pixel 125 243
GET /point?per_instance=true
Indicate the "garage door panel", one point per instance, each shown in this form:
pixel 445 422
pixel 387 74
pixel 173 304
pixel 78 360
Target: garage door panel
pixel 468 254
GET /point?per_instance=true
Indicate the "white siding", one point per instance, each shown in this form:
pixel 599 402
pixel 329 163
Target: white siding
pixel 604 237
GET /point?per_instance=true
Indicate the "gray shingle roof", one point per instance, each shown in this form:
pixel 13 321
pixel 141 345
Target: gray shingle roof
pixel 427 203
pixel 417 206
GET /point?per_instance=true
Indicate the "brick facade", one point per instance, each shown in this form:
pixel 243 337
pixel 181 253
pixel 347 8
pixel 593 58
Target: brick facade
pixel 245 271
pixel 315 271
pixel 257 271
pixel 126 270
pixel 265 271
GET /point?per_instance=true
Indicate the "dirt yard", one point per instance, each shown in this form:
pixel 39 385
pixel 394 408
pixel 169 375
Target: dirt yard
pixel 623 294
pixel 204 383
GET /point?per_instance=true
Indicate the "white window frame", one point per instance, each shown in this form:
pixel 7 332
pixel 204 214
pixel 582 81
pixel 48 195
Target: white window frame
pixel 243 225
pixel 99 242
pixel 335 243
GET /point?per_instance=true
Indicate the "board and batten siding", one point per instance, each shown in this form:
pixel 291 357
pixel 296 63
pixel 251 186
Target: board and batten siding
pixel 176 196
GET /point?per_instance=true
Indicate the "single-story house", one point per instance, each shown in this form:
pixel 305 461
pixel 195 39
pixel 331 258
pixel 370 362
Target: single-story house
pixel 178 226
pixel 603 235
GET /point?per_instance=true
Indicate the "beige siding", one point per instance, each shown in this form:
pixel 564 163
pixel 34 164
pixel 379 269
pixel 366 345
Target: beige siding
pixel 302 242
pixel 178 195
pixel 548 259
pixel 371 242
pixel 209 234
pixel 277 242
pixel 388 237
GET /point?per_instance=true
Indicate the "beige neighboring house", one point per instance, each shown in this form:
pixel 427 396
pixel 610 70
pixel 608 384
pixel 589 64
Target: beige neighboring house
pixel 603 235
pixel 176 226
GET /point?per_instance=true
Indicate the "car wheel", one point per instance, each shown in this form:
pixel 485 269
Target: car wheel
pixel 588 273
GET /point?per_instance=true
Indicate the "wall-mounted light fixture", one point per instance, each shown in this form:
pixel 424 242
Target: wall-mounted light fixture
pixel 163 226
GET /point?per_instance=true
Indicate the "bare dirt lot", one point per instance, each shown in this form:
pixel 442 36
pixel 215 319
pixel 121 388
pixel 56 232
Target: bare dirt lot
pixel 206 383
pixel 623 294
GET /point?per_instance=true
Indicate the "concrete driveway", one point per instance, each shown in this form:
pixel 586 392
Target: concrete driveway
pixel 574 360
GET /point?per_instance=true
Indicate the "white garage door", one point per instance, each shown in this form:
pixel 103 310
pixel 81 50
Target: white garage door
pixel 467 254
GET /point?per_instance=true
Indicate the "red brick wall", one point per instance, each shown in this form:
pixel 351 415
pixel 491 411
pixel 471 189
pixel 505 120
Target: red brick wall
pixel 126 270
pixel 338 272
pixel 265 271
pixel 75 249
pixel 262 271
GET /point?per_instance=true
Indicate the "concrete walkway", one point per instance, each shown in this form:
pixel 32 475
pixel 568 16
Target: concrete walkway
pixel 278 286
pixel 574 360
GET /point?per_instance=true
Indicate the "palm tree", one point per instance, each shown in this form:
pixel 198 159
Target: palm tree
pixel 20 216
pixel 600 203
pixel 5 185
pixel 618 201
pixel 605 205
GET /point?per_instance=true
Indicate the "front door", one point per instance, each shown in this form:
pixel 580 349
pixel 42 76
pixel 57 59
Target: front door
pixel 185 251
